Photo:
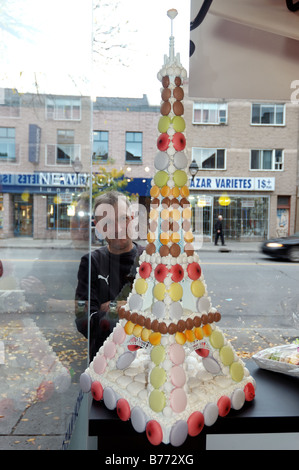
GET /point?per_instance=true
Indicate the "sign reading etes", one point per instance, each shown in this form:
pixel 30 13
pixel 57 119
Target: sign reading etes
pixel 215 183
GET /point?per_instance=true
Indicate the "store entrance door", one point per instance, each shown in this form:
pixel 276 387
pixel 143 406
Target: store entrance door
pixel 23 216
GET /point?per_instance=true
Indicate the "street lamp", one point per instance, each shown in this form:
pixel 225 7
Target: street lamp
pixel 193 169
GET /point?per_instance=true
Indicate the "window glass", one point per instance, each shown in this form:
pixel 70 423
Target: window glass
pixel 100 146
pixel 133 147
pixel 267 114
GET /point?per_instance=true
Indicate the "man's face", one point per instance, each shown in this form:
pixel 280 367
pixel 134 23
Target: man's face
pixel 112 222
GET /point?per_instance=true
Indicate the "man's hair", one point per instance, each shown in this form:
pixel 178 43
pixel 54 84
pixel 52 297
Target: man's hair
pixel 110 197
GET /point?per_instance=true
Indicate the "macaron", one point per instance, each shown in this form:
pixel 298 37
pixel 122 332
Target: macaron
pixel 164 123
pixel 210 413
pixel 85 382
pixel 154 432
pixel 161 178
pixel 178 123
pixel 135 302
pixel 195 423
pixel 158 354
pixel 197 288
pixel 224 405
pixel 161 161
pixel 157 400
pixel 180 178
pixel 175 291
pixel 238 399
pixel 166 108
pixel 176 353
pixel 154 191
pixel 165 190
pixel 178 93
pixel 236 371
pixel 163 142
pixel 158 309
pixel 178 400
pixel 140 285
pixel 99 364
pixel 217 339
pixel 119 334
pixel 203 305
pixel 180 160
pixel 175 311
pixel 178 433
pixel 226 355
pixel 175 250
pixel 157 377
pixel 97 390
pixel 178 140
pixel 159 291
pixel 177 376
pixel 138 419
pixel 109 398
pixel 125 360
pixel 211 365
pixel 178 108
pixel 123 409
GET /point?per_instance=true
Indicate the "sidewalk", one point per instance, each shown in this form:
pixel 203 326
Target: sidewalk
pixel 24 242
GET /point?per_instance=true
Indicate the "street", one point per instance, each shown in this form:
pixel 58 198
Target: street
pixel 256 296
pixel 248 288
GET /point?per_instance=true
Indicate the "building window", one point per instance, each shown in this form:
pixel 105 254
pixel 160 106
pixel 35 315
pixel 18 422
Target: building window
pixel 271 160
pixel 209 113
pixel 63 109
pixel 209 159
pixel 268 114
pixel 58 217
pixel 7 144
pixel 10 103
pixel 65 147
pixel 133 147
pixel 100 146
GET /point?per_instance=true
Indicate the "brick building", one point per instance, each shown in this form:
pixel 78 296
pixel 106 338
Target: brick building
pixel 247 157
pixel 246 152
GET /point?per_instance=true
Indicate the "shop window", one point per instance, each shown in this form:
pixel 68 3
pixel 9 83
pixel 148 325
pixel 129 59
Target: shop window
pixel 64 109
pixel 100 146
pixel 268 114
pixel 7 144
pixel 266 160
pixel 10 103
pixel 209 159
pixel 133 147
pixel 58 214
pixel 209 113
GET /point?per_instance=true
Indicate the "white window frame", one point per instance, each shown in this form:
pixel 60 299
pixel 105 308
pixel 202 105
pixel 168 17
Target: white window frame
pixel 199 159
pixel 275 164
pixel 51 151
pixel 62 108
pixel 265 105
pixel 208 109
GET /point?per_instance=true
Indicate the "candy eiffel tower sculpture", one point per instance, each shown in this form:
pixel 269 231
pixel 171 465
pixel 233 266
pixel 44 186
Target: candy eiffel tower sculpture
pixel 167 366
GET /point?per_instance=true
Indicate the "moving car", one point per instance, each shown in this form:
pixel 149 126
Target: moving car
pixel 284 247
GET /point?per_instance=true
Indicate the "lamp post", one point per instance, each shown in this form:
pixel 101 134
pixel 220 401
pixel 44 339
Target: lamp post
pixel 193 169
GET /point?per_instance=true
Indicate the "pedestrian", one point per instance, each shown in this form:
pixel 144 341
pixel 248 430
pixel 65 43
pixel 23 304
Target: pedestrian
pixel 219 231
pixel 112 270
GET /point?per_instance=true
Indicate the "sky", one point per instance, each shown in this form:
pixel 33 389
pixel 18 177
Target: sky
pixel 53 47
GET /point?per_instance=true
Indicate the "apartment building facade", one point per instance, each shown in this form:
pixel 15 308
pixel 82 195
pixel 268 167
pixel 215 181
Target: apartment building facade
pixel 246 153
pixel 247 158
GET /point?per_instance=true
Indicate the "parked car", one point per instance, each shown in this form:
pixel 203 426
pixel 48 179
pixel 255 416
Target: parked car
pixel 284 247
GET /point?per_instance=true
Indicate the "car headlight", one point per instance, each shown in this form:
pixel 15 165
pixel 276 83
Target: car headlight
pixel 274 245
